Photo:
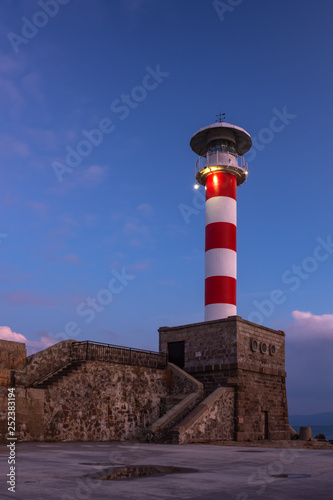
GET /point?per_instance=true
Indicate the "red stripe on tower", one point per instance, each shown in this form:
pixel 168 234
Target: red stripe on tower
pixel 221 168
pixel 220 245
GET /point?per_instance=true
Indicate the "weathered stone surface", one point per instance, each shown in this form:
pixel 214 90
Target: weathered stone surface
pixel 100 401
pixel 12 354
pixel 43 362
pixel 211 420
pixel 29 414
pixel 6 377
pixel 108 398
pixel 250 358
pixel 176 413
pixel 104 401
pixel 184 383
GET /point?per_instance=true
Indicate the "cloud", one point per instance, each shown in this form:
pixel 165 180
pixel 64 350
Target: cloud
pixel 7 334
pixel 45 341
pixel 310 326
pixel 33 346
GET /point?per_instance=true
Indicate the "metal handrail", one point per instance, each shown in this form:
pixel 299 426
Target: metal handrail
pixel 92 355
pixel 116 346
pixel 89 353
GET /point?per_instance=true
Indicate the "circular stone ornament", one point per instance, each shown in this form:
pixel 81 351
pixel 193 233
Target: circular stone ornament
pixel 272 350
pixel 254 345
pixel 263 347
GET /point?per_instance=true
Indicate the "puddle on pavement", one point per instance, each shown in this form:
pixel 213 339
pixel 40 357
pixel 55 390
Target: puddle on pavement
pixel 292 476
pixel 133 471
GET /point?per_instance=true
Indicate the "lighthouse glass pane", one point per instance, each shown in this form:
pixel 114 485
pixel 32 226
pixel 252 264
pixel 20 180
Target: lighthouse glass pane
pixel 221 145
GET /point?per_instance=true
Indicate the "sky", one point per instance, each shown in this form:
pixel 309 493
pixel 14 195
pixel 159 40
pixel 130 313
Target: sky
pixel 101 231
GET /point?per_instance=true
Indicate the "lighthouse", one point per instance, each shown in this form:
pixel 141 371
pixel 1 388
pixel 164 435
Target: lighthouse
pixel 221 168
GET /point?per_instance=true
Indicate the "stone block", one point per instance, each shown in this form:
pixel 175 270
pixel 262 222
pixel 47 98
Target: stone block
pixel 13 355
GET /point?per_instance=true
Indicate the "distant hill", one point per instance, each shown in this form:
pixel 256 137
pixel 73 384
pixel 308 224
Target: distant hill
pixel 315 419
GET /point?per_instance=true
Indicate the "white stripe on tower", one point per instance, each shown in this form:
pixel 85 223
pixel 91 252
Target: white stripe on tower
pixel 220 246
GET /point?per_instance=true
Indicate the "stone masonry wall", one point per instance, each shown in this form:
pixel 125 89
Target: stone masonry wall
pixel 99 401
pixel 39 365
pixel 238 353
pixel 247 357
pixel 104 401
pixel 206 344
pixel 43 362
pixel 29 413
pixel 261 383
pixel 212 420
pixel 257 394
pixel 12 357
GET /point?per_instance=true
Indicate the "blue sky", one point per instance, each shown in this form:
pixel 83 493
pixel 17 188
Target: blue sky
pixel 99 101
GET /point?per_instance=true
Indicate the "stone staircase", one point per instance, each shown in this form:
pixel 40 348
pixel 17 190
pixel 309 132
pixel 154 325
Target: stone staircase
pixel 57 374
pixel 174 408
pixel 170 402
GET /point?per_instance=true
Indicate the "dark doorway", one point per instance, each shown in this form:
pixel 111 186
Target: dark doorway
pixel 176 353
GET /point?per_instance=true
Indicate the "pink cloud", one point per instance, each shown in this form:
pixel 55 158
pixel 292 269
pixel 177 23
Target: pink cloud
pixel 45 341
pixel 33 346
pixel 7 334
pixel 310 326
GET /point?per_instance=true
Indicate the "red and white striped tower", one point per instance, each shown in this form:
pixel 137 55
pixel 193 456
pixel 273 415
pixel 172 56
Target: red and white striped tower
pixel 221 169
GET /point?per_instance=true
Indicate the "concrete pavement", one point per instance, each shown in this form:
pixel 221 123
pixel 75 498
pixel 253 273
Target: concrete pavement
pixel 67 471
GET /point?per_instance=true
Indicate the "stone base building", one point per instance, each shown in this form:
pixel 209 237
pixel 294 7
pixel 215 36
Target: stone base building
pixel 218 380
pixel 241 355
